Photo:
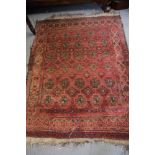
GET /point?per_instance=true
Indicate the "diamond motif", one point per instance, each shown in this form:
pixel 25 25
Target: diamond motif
pixel 64 55
pixel 112 100
pixel 80 100
pixel 95 83
pixel 104 42
pixel 79 68
pixel 63 100
pixel 72 92
pixel 57 91
pixel 52 56
pixel 79 83
pixel 107 66
pixel 93 67
pixel 96 100
pixel 48 100
pixel 87 91
pixel 78 44
pixel 49 84
pixel 106 53
pixel 109 82
pixel 86 74
pixel 93 54
pixel 79 55
pixel 102 91
pixel 65 83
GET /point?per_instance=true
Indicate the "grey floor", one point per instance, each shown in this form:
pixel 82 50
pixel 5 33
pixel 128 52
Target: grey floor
pixel 88 148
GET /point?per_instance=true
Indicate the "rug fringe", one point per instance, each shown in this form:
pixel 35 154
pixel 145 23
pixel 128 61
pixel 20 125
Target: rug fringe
pixel 55 141
pixel 71 16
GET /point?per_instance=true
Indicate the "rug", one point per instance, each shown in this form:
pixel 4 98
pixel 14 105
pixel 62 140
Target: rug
pixel 77 82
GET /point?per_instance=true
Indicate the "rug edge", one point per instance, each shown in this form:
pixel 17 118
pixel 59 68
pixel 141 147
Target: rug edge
pixel 55 141
pixel 78 16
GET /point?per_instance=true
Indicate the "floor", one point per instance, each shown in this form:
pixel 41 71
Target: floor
pixel 99 148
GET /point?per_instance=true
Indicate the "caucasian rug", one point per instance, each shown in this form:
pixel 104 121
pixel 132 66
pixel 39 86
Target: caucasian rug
pixel 77 83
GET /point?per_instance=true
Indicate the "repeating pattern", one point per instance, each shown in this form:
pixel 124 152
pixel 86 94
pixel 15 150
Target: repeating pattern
pixel 78 79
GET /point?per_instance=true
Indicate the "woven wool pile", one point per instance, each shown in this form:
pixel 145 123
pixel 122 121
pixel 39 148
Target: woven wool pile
pixel 77 84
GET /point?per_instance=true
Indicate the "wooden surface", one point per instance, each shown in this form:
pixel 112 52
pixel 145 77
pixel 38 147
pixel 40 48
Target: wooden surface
pixel 37 4
pixel 120 4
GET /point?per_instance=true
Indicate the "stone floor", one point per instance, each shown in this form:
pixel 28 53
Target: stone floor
pixel 88 148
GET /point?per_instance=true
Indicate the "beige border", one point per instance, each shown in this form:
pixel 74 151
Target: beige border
pixel 55 141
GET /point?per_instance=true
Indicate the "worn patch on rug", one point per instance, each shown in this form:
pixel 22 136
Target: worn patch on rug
pixel 77 83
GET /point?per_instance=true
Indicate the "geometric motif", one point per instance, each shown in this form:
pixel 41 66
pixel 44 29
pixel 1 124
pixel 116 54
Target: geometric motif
pixel 95 83
pixel 64 83
pixel 79 83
